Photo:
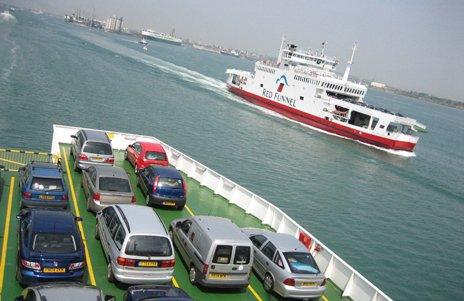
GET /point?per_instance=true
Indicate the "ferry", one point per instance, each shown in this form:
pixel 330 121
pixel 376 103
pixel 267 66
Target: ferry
pixel 303 86
pixel 161 37
pixel 209 193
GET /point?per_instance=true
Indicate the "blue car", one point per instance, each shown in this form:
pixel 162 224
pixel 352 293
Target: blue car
pixel 50 247
pixel 155 292
pixel 42 185
pixel 162 186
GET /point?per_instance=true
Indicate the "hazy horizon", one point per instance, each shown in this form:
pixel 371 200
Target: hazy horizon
pixel 403 44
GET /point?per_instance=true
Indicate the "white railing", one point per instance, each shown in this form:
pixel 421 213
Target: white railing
pixel 352 283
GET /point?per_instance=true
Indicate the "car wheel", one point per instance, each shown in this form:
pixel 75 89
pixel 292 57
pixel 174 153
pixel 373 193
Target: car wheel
pixel 268 283
pixel 97 235
pixel 110 275
pixel 193 275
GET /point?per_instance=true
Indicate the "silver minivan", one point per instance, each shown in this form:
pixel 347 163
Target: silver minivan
pixel 90 147
pixel 216 251
pixel 285 265
pixel 106 185
pixel 136 243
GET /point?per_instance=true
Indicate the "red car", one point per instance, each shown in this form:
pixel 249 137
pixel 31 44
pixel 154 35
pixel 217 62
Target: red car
pixel 143 154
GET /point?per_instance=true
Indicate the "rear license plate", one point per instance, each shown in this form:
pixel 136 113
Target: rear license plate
pixel 308 283
pixel 169 203
pixel 46 197
pixel 217 276
pixel 152 264
pixel 98 159
pixel 54 270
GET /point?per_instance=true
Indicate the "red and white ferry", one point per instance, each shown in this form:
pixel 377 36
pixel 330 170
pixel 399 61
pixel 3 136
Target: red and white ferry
pixel 304 86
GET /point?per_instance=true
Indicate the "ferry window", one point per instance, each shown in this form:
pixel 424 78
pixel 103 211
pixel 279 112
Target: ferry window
pixel 261 85
pixel 359 119
pixel 382 126
pixel 375 120
pixel 222 254
pixel 393 127
pixel 301 97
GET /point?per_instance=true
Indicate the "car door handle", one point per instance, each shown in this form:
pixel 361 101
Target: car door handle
pixel 267 263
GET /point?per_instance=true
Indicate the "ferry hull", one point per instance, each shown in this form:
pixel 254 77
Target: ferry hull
pixel 322 123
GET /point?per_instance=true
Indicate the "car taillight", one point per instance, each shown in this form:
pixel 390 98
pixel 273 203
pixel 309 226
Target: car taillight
pixel 27 195
pixel 155 184
pixel 77 265
pixel 323 282
pixel 64 197
pixel 168 263
pixel 126 261
pixel 289 281
pixel 205 269
pixel 133 199
pixel 30 264
pixel 110 160
pixel 96 196
pixel 184 186
pixel 83 157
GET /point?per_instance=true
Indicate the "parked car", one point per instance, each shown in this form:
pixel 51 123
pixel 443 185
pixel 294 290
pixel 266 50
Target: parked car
pixel 2 181
pixel 285 265
pixel 155 292
pixel 163 186
pixel 90 147
pixel 143 154
pixel 50 247
pixel 136 243
pixel 55 292
pixel 216 251
pixel 106 185
pixel 42 185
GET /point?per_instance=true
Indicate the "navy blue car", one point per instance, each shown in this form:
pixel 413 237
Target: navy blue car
pixel 155 292
pixel 50 247
pixel 162 186
pixel 42 185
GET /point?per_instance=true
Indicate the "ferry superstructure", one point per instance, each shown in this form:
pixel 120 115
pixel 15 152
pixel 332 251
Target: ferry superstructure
pixel 162 37
pixel 303 86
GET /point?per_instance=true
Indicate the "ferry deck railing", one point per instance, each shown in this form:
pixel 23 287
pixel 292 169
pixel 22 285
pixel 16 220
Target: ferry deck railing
pixel 352 283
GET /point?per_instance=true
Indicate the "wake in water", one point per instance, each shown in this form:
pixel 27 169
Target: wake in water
pixel 209 83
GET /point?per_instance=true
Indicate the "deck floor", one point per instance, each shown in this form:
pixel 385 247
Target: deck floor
pixel 200 201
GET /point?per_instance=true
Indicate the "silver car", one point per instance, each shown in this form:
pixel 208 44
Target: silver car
pixel 285 265
pixel 55 292
pixel 90 147
pixel 106 185
pixel 136 243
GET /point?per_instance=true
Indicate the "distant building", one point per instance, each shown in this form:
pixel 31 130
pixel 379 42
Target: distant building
pixel 378 85
pixel 114 24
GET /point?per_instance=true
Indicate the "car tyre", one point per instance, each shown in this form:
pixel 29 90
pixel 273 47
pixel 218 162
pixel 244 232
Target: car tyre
pixel 97 235
pixel 268 283
pixel 193 275
pixel 109 274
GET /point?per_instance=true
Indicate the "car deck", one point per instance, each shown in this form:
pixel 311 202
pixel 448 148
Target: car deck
pixel 200 201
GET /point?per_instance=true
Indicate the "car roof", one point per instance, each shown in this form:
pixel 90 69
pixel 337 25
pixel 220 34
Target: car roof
pixel 220 228
pixel 283 242
pixel 139 292
pixel 165 171
pixel 73 291
pixel 44 169
pixel 151 146
pixel 111 171
pixel 141 219
pixel 95 135
pixel 52 220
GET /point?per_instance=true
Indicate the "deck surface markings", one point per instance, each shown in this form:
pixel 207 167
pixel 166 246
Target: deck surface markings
pixel 6 232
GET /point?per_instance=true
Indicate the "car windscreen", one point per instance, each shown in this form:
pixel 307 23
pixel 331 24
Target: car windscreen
pixel 47 184
pixel 301 263
pixel 99 148
pixel 222 254
pixel 242 255
pixel 155 156
pixel 170 183
pixel 149 246
pixel 114 184
pixel 54 243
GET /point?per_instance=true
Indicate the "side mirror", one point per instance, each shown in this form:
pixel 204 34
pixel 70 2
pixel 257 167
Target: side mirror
pixel 74 136
pixel 108 298
pixel 78 219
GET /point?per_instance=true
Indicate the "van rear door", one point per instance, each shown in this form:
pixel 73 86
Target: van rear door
pixel 230 262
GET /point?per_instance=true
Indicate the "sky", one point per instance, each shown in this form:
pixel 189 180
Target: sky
pixel 412 45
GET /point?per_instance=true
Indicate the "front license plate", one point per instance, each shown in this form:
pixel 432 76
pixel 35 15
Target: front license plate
pixel 217 276
pixel 169 203
pixel 308 283
pixel 54 270
pixel 152 264
pixel 46 197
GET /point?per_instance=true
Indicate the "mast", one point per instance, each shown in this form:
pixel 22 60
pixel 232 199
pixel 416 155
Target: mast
pixel 348 67
pixel 279 58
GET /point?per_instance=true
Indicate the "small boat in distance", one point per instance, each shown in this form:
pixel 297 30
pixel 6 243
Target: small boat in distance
pixel 303 86
pixel 143 41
